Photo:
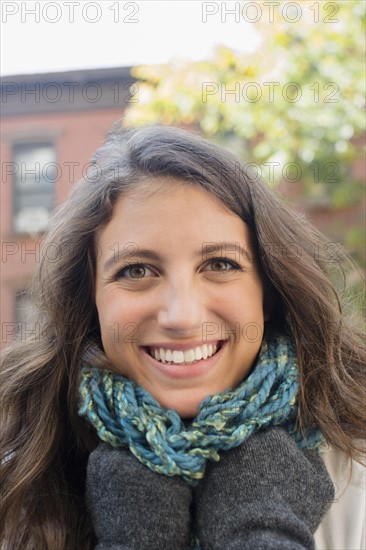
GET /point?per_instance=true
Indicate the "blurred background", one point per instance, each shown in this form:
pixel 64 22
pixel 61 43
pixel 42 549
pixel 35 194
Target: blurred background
pixel 280 83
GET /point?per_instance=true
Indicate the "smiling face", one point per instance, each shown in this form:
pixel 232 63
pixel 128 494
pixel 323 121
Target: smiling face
pixel 179 297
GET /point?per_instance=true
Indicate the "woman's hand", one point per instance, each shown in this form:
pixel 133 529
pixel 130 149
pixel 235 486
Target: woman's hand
pixel 133 508
pixel 266 493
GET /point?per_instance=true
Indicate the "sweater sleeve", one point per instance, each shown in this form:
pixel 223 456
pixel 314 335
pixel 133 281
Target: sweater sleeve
pixel 133 508
pixel 265 493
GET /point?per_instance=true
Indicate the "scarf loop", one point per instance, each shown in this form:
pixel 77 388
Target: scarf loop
pixel 124 414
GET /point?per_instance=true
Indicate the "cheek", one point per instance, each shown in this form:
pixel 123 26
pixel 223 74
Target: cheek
pixel 241 316
pixel 119 317
pixel 241 303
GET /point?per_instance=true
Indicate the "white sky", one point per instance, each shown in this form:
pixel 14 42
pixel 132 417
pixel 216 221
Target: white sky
pixel 65 37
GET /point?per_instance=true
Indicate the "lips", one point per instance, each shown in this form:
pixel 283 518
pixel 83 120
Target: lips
pixel 191 354
pixel 183 369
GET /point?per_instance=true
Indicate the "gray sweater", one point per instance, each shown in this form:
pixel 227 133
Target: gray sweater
pixel 264 494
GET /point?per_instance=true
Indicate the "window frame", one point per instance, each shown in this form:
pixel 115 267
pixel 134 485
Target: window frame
pixel 20 194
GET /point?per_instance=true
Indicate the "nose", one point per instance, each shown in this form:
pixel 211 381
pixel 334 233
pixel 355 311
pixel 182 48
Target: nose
pixel 181 308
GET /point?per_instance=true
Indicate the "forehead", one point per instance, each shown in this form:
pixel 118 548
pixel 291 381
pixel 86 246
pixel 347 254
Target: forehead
pixel 160 207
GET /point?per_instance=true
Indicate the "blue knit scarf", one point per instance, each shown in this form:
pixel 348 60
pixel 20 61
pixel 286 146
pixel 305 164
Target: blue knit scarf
pixel 126 415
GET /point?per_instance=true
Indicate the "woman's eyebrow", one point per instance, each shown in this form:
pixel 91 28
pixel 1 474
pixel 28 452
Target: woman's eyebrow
pixel 230 250
pixel 119 255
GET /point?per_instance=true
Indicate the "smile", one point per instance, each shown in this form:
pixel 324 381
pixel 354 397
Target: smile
pixel 189 356
pixel 181 365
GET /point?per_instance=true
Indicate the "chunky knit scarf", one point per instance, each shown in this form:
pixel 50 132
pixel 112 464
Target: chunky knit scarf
pixel 126 415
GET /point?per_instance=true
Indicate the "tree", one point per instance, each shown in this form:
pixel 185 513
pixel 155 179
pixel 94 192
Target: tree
pixel 293 106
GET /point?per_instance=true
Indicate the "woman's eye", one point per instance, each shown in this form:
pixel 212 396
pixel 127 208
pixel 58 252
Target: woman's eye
pixel 221 264
pixel 136 271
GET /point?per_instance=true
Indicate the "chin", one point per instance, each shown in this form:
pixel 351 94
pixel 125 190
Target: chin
pixel 188 412
pixel 187 406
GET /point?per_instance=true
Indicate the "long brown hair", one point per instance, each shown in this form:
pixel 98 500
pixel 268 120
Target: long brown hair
pixel 45 444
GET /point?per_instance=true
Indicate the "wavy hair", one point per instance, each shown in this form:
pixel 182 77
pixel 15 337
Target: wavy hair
pixel 45 444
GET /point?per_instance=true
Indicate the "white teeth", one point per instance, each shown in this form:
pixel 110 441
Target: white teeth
pixel 198 353
pixel 178 357
pixel 189 356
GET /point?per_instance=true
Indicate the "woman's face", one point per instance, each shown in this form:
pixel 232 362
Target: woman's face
pixel 179 297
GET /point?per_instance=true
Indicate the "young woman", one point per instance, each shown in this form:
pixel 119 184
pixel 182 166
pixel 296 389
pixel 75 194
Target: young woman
pixel 194 371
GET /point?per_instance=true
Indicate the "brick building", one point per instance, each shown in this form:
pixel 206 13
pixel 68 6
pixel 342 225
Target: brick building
pixel 51 125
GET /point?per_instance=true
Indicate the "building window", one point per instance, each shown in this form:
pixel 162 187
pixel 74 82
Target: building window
pixel 34 185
